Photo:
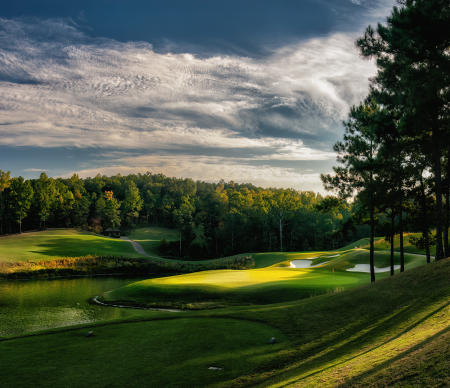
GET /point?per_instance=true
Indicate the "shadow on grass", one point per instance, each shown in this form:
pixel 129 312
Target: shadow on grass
pixel 74 247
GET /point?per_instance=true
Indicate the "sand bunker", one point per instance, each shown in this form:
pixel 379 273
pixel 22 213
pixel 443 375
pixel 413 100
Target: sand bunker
pixel 305 263
pixel 366 268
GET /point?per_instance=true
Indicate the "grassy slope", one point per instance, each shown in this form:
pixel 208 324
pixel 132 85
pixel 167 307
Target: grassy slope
pixel 382 244
pixel 47 245
pixel 150 237
pixel 395 332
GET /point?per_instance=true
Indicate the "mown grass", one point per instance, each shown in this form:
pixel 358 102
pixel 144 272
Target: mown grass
pixel 160 353
pixel 57 243
pixel 387 334
pixel 220 287
pixel 271 281
pixel 150 237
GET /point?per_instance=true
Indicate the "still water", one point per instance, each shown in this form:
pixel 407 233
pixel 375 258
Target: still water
pixel 32 305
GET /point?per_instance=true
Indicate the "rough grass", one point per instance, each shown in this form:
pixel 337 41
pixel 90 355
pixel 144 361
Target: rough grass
pixel 392 333
pixel 57 243
pixel 381 244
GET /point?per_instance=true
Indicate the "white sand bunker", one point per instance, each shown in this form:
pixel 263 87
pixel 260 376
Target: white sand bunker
pixel 366 268
pixel 305 263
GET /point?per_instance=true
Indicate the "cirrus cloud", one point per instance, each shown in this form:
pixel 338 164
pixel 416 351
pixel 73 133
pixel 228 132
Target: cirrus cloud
pixel 60 88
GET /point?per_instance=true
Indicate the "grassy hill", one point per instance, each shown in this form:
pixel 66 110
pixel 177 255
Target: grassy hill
pixel 51 244
pixel 393 333
pixel 382 244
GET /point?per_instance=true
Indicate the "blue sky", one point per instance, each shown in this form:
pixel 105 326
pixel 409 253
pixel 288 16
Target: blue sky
pixel 250 91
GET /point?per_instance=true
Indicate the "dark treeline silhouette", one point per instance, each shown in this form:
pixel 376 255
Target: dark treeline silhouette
pixel 394 156
pixel 214 219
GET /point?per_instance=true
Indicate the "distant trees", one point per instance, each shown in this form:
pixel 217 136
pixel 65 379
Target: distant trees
pixel 213 219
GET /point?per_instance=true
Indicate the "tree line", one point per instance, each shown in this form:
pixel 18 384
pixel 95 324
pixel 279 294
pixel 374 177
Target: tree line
pixel 394 156
pixel 214 219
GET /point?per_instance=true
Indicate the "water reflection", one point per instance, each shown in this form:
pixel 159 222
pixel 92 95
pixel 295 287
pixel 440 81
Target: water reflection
pixel 28 306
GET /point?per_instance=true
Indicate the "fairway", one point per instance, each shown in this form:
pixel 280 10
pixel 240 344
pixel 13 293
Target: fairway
pixel 51 244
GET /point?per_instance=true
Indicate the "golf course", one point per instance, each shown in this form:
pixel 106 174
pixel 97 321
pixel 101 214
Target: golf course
pixel 291 318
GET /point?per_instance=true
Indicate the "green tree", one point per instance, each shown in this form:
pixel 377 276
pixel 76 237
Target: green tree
pixel 131 205
pixel 45 197
pixel 411 51
pixel 5 182
pixel 357 155
pixel 111 214
pixel 20 198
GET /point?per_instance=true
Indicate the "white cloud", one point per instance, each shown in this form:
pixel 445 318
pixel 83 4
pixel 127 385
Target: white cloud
pixel 81 92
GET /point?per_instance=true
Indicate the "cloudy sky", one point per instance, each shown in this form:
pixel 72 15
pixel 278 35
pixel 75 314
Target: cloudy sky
pixel 250 91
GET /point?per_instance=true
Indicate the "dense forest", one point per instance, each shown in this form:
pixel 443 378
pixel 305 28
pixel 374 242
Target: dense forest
pixel 394 156
pixel 214 219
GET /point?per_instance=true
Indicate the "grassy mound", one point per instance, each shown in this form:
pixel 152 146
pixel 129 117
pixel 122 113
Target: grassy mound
pixel 219 287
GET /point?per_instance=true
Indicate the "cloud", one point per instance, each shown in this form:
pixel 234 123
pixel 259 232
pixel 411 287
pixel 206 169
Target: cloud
pixel 35 169
pixel 60 88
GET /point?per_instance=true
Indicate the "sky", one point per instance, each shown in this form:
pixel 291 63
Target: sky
pixel 250 91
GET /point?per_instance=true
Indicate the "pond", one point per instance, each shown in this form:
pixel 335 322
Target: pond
pixel 32 305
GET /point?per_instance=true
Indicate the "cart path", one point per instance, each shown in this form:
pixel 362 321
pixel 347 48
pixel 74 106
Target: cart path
pixel 137 247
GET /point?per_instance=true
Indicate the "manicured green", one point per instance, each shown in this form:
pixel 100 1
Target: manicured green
pixel 215 288
pixel 272 281
pixel 49 244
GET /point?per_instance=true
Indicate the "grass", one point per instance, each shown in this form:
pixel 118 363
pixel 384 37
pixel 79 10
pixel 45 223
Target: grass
pixel 392 333
pixel 160 353
pixel 57 243
pixel 271 281
pixel 150 237
pixel 381 244
pixel 220 287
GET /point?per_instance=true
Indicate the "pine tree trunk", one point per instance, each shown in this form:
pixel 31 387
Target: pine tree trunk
pixel 372 235
pixel 424 219
pixel 438 191
pixel 402 252
pixel 1 212
pixel 281 236
pixel 392 241
pixel 446 223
